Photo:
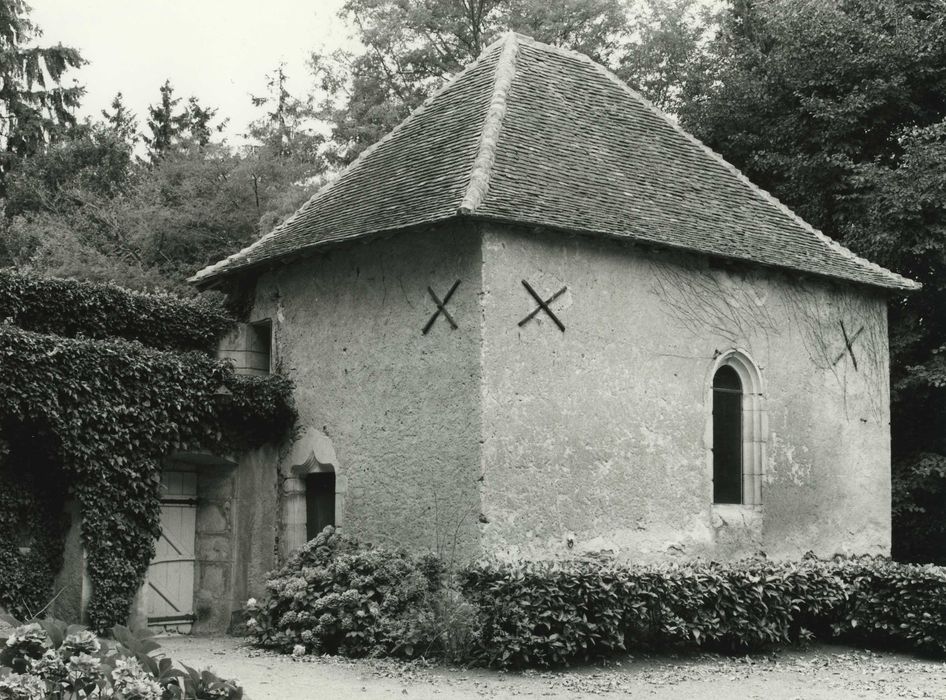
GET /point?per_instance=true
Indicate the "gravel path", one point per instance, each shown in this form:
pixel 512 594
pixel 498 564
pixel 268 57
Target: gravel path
pixel 819 673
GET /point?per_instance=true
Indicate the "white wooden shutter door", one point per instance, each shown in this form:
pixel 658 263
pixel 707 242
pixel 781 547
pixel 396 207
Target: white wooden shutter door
pixel 170 586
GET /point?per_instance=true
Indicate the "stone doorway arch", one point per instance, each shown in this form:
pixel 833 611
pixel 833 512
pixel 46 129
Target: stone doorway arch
pixel 313 455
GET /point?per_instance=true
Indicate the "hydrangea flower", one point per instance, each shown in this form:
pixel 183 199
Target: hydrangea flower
pixel 29 640
pixel 84 642
pixel 133 682
pixel 49 666
pixel 22 686
pixel 298 650
pixel 84 666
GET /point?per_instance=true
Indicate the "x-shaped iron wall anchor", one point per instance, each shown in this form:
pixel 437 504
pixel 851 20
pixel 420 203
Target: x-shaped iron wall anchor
pixel 849 344
pixel 441 308
pixel 543 306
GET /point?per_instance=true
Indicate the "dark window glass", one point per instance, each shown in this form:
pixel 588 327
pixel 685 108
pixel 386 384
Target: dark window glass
pixel 259 346
pixel 727 436
pixel 319 502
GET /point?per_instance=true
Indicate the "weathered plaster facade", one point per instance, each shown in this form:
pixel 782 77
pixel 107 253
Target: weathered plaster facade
pixel 600 435
pixel 525 440
pixel 402 409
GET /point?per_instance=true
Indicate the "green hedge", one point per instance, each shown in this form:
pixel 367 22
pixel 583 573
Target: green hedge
pixel 109 411
pixel 356 600
pixel 543 614
pixel 74 308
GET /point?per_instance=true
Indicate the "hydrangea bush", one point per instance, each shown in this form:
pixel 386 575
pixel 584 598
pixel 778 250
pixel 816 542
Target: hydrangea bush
pixel 49 660
pixel 337 596
pixel 340 597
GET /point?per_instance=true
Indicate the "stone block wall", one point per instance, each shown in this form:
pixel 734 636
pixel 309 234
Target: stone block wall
pixel 213 548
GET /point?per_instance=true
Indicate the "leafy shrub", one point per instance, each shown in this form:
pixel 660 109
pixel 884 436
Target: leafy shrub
pixel 891 604
pixel 336 596
pixel 52 660
pixel 341 597
pixel 73 308
pixel 542 613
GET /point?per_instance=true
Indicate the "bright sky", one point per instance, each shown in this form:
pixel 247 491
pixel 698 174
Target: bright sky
pixel 218 50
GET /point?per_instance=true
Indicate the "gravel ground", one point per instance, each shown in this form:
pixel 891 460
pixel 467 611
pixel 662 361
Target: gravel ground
pixel 822 672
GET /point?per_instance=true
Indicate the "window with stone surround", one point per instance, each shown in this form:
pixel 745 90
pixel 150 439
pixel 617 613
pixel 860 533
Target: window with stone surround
pixel 737 431
pixel 319 502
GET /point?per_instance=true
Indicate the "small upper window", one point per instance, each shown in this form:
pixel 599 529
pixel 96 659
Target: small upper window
pixel 259 347
pixel 727 436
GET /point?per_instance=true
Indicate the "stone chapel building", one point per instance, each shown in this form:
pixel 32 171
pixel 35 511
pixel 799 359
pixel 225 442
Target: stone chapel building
pixel 539 319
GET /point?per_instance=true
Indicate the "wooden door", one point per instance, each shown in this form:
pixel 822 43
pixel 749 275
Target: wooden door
pixel 170 587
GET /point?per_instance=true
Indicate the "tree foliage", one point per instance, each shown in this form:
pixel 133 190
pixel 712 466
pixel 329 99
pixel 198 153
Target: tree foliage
pixel 412 46
pixel 172 128
pixel 34 103
pixel 87 207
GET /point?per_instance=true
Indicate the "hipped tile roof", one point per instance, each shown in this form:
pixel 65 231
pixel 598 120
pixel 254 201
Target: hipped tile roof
pixel 534 134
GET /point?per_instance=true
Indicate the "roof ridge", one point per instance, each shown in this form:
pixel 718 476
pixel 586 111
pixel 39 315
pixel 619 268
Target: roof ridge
pixel 764 194
pixel 351 167
pixel 492 126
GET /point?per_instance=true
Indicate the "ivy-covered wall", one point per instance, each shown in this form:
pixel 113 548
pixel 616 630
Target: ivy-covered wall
pixel 107 409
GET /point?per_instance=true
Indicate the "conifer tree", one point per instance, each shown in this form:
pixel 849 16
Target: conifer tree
pixel 121 120
pixel 34 104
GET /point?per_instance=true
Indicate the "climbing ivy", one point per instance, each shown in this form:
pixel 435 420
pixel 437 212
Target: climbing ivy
pixel 75 308
pixel 111 410
pixel 32 527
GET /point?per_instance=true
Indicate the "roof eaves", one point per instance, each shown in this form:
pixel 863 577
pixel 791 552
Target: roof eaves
pixel 492 126
pixel 896 281
pixel 203 276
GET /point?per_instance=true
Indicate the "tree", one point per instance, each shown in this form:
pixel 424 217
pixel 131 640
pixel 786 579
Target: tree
pixel 122 121
pixel 33 102
pixel 284 163
pixel 174 129
pixel 837 108
pixel 89 157
pixel 669 44
pixel 796 94
pixel 412 46
pixel 166 127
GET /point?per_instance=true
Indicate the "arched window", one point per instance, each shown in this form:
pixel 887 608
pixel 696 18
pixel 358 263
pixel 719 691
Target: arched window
pixel 737 430
pixel 319 502
pixel 727 436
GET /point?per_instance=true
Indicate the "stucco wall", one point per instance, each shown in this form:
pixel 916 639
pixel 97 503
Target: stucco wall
pixel 599 435
pixel 402 409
